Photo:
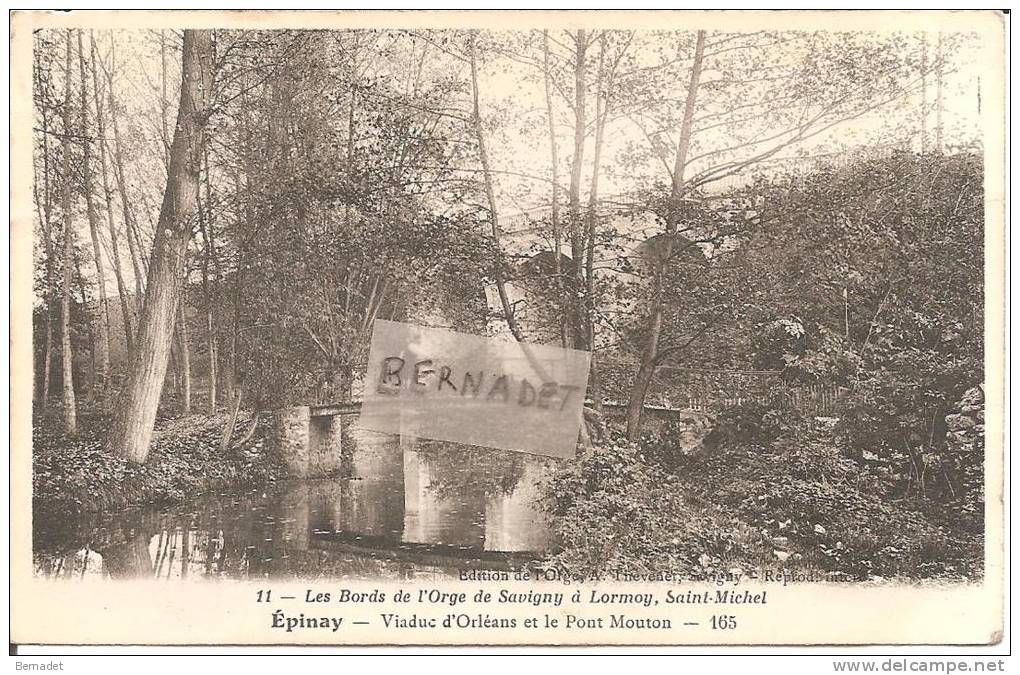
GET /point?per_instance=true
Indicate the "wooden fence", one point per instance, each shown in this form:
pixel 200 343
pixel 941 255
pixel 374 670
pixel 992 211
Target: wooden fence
pixel 823 400
pixel 710 389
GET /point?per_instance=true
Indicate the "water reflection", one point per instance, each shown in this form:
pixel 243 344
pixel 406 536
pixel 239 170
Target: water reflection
pixel 410 509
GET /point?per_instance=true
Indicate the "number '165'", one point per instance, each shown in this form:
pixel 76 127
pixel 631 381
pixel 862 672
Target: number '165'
pixel 724 622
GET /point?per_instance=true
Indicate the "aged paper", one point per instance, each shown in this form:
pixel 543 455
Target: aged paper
pixel 333 170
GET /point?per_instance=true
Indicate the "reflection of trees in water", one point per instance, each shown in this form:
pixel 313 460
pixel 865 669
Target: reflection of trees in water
pixel 458 471
pixel 245 536
pixel 121 544
pixel 75 565
pixel 233 538
pixel 259 535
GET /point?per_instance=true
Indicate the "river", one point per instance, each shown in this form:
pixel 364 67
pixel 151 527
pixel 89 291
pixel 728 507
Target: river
pixel 411 509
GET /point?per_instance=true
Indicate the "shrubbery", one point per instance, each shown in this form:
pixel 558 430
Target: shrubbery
pixel 770 489
pixel 809 499
pixel 898 242
pixel 615 510
pixel 75 475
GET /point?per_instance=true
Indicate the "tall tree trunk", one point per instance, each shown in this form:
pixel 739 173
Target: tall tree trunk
pixel 132 427
pixel 939 76
pixel 924 93
pixel 213 360
pixel 103 347
pixel 218 278
pixel 139 242
pixel 561 300
pixel 49 296
pixel 90 327
pixel 649 359
pixel 591 220
pixel 67 364
pixel 185 351
pixel 352 76
pixel 207 255
pixel 42 389
pixel 163 103
pixel 234 368
pixel 490 195
pixel 114 239
pixel 118 160
pixel 577 164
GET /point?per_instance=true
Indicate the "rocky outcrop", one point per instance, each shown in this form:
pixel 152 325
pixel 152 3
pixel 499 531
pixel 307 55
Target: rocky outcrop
pixel 690 428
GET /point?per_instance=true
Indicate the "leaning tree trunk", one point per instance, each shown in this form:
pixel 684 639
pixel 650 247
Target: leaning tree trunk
pixel 67 357
pixel 649 360
pixel 132 427
pixel 500 272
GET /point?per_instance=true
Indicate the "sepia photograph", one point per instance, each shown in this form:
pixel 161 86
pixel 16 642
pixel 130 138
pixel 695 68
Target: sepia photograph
pixel 598 302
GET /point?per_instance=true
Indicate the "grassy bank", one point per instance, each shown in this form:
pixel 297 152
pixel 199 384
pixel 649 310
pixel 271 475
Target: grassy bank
pixel 73 475
pixel 793 501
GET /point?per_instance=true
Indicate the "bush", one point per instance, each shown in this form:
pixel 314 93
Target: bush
pixel 775 490
pixel 753 423
pixel 803 491
pixel 615 511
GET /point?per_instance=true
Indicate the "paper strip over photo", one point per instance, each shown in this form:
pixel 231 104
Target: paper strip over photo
pixel 491 392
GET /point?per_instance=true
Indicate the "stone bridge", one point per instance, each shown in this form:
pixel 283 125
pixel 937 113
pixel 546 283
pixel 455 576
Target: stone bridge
pixel 311 439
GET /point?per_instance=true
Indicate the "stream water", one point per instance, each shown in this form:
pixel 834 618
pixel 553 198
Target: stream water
pixel 408 510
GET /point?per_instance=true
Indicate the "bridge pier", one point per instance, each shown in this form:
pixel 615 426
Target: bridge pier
pixel 309 445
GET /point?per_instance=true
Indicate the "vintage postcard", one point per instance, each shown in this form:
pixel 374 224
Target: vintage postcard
pixel 507 328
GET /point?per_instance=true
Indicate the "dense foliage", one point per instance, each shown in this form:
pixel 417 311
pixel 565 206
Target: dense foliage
pixel 795 502
pixel 616 511
pixel 78 475
pixel 877 266
pixel 869 275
